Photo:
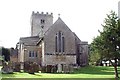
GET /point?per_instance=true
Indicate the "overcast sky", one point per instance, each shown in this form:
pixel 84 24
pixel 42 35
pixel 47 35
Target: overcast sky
pixel 84 17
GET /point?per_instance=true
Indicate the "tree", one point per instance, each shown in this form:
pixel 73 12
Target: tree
pixel 94 56
pixel 6 54
pixel 107 44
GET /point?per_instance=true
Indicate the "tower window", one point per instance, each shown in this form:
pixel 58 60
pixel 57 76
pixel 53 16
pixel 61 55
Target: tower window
pixel 42 26
pixel 42 21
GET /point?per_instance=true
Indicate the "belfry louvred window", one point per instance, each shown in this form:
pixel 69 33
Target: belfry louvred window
pixel 59 42
pixel 42 21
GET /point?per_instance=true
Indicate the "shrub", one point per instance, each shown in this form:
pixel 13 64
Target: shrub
pixel 43 69
pixel 16 67
pixel 31 67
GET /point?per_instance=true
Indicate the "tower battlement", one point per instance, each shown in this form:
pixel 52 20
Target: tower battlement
pixel 42 13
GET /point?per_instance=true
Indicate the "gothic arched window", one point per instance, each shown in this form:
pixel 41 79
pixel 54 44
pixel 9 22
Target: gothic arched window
pixel 59 42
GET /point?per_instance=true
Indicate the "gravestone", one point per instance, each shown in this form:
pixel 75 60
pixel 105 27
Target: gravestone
pixel 59 68
pixel 7 67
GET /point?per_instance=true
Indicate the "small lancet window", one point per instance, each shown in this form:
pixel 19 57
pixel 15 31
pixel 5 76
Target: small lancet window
pixel 59 42
pixel 30 55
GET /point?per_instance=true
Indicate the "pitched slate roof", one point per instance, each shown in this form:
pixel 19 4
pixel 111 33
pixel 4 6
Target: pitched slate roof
pixel 29 41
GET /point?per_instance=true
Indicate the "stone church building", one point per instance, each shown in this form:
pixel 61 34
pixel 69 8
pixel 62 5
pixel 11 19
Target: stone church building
pixel 52 43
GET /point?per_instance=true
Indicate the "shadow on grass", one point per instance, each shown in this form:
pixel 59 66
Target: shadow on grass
pixel 38 74
pixel 19 74
pixel 8 75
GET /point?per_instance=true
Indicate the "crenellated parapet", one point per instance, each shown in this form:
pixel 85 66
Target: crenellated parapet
pixel 42 13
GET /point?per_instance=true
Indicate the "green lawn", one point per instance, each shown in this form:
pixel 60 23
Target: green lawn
pixel 85 72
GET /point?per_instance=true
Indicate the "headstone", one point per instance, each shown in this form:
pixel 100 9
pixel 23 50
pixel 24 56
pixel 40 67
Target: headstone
pixel 59 68
pixel 7 67
pixel 104 64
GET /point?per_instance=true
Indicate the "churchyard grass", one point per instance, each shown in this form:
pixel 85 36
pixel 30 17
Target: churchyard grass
pixel 89 73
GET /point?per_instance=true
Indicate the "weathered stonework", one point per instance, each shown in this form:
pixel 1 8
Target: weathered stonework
pixel 33 59
pixel 60 59
pixel 69 45
pixel 84 55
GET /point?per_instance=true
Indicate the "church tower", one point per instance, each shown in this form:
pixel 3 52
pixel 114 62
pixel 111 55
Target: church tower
pixel 40 23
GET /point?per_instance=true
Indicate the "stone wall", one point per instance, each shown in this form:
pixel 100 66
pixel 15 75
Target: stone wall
pixel 14 58
pixel 84 54
pixel 60 59
pixel 33 59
